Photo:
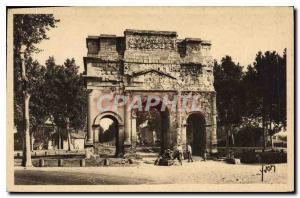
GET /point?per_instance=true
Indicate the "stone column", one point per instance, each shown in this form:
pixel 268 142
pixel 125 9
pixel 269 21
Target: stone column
pixel 120 143
pixel 127 123
pixel 96 130
pixel 213 134
pixel 179 119
pixel 90 135
pixel 133 129
pixel 183 133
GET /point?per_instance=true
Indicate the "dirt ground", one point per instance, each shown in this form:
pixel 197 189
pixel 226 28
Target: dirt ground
pixel 204 172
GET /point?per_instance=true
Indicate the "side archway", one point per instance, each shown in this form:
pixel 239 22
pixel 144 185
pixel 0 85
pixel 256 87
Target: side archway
pixel 109 114
pixel 107 138
pixel 196 132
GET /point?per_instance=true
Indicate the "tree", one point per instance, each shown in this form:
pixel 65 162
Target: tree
pixel 38 114
pixel 266 85
pixel 28 30
pixel 228 86
pixel 65 97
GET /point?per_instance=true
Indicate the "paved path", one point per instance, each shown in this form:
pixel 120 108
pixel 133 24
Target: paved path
pixel 197 172
pixel 40 177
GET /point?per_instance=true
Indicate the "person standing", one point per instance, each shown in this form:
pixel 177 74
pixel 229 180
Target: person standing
pixel 179 154
pixel 204 156
pixel 189 153
pixel 154 137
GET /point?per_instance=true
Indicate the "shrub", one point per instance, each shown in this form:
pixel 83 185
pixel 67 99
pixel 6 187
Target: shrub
pixel 269 157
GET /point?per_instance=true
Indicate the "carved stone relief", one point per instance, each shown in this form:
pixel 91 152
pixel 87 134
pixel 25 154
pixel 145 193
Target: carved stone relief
pixel 150 42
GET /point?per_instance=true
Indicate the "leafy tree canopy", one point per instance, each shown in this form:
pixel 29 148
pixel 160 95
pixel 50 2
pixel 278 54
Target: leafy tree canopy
pixel 66 95
pixel 228 78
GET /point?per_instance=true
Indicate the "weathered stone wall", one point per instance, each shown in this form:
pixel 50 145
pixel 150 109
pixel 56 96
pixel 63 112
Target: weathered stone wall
pixel 151 62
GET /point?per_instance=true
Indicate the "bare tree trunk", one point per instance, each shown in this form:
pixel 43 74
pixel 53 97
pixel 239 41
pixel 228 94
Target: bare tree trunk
pixel 264 129
pixel 271 136
pixel 31 141
pixel 227 134
pixel 227 141
pixel 271 140
pixel 69 135
pixel 26 162
pixel 69 141
pixel 59 139
pixel 232 138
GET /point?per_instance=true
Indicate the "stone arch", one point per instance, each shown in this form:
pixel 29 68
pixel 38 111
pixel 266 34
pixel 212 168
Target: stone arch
pixel 196 132
pixel 115 135
pixel 164 135
pixel 200 113
pixel 109 114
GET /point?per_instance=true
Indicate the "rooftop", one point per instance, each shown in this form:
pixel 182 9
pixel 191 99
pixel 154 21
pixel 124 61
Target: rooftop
pixel 152 32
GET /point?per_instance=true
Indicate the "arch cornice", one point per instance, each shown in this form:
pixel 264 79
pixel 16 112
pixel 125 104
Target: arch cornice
pixel 109 114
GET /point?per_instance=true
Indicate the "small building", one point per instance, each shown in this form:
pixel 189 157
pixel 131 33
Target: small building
pixel 279 140
pixel 77 141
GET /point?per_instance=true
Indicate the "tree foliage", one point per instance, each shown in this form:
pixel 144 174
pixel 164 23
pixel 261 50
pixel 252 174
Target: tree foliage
pixel 28 30
pixel 31 29
pixel 228 78
pixel 66 94
pixel 265 83
pixel 252 98
pixel 154 118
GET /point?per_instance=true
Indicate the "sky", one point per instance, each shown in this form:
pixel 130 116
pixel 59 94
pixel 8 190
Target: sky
pixel 238 32
pixel 105 123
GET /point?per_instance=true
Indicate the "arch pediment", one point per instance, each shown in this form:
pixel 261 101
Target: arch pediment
pixel 153 71
pixel 154 79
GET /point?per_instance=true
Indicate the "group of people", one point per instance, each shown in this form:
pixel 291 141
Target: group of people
pixel 177 154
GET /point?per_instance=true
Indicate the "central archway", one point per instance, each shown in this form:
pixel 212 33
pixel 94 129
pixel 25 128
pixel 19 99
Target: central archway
pixel 196 133
pixel 153 129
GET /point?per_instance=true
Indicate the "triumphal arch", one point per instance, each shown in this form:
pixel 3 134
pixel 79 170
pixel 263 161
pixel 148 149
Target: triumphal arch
pixel 142 63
